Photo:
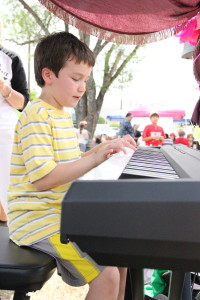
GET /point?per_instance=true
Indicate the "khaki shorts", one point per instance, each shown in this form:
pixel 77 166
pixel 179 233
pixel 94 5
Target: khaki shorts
pixel 74 266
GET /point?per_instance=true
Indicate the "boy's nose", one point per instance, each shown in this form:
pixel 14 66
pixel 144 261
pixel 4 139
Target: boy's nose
pixel 82 87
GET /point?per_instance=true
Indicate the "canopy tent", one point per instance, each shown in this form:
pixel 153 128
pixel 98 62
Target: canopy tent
pixel 126 22
pixel 145 112
pixel 117 116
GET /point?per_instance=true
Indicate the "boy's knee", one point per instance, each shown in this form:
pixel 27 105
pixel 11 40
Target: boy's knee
pixel 112 276
pixel 107 283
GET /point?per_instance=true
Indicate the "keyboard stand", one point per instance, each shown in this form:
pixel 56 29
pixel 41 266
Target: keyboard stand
pixel 137 283
pixel 176 285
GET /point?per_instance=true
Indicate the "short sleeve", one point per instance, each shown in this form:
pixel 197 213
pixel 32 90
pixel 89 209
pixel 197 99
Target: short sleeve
pixel 36 142
pixel 144 134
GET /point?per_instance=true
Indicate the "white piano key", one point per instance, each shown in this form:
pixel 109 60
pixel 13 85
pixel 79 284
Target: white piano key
pixel 111 168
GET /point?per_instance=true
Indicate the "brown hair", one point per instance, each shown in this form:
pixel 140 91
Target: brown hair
pixel 190 135
pixel 154 115
pixel 81 127
pixel 54 50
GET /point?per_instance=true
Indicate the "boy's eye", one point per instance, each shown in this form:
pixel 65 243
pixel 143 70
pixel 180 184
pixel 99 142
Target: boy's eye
pixel 76 80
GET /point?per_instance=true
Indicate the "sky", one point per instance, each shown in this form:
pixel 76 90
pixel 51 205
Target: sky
pixel 164 79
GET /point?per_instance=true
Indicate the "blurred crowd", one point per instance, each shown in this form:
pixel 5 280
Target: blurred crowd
pixel 152 135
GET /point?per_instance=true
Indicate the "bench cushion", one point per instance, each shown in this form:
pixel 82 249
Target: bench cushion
pixel 22 268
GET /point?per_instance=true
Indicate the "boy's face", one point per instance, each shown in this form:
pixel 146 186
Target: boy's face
pixel 69 87
pixel 154 119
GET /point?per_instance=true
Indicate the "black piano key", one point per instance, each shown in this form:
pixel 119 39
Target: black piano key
pixel 150 162
pixel 151 174
pixel 148 165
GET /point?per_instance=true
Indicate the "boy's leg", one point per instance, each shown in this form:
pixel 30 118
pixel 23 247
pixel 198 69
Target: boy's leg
pixel 122 284
pixel 105 286
pixel 77 268
pixel 110 284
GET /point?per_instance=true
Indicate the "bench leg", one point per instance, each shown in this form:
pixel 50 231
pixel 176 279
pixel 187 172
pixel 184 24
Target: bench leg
pixel 21 296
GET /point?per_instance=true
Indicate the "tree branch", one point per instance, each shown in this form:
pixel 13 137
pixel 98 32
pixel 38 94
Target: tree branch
pixel 108 80
pixel 99 47
pixel 107 59
pixel 114 67
pixel 24 43
pixel 38 20
pixel 85 38
pixel 124 63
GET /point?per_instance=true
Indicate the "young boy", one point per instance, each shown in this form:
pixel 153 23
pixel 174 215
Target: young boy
pixel 46 159
pixel 153 135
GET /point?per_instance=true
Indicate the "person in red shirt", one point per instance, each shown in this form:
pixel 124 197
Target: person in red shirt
pixel 172 136
pixel 153 135
pixel 181 139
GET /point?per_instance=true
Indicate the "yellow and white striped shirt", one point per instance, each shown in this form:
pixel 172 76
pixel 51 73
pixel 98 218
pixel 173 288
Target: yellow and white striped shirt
pixel 44 137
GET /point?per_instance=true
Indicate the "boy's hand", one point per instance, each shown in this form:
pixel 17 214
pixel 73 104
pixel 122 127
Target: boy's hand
pixel 113 146
pixel 131 141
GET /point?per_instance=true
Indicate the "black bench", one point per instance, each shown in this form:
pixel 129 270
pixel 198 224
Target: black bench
pixel 22 269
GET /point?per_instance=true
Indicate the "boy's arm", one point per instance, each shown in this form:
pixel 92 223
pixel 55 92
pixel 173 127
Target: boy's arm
pixel 67 172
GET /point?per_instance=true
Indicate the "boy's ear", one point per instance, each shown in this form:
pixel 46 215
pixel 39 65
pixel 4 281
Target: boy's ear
pixel 47 75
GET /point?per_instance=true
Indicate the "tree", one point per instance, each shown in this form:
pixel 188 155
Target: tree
pixel 115 57
pixel 23 28
pixel 101 120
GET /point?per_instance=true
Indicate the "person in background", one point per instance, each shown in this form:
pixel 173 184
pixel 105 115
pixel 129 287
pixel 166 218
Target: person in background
pixel 126 127
pixel 136 132
pixel 108 138
pixel 13 95
pixel 172 136
pixel 181 139
pixel 167 140
pixel 83 136
pixel 98 139
pixel 153 135
pixel 49 160
pixel 190 139
pixel 140 142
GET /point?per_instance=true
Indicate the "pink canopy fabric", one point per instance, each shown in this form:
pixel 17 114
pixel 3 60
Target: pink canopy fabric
pixel 126 21
pixel 145 112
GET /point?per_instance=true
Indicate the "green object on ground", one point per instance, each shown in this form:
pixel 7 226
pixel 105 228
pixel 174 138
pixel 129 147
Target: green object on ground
pixel 158 285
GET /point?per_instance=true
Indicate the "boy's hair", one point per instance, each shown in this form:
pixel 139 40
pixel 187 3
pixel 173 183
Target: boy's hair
pixel 54 50
pixel 154 114
pixel 128 115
